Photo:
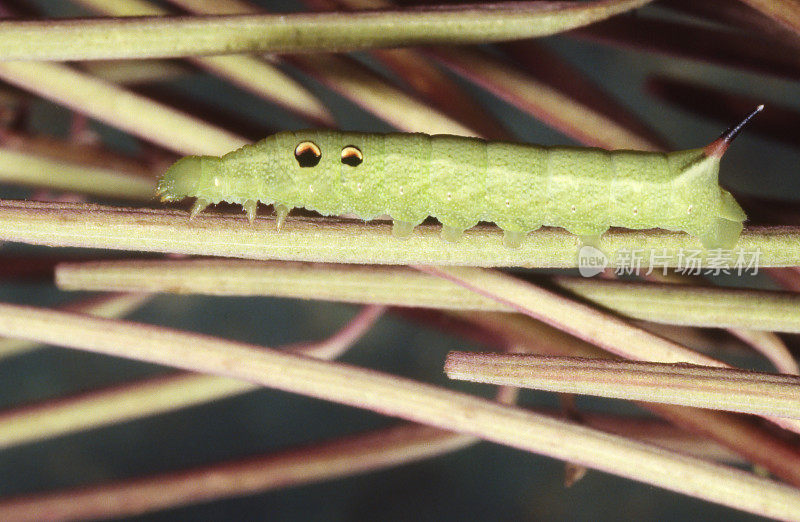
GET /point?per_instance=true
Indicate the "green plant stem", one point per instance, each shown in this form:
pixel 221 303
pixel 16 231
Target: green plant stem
pixel 692 305
pixel 161 37
pixel 110 305
pixel 251 73
pixel 407 399
pixel 700 386
pixel 343 241
pixel 598 327
pixel 114 405
pixel 35 170
pixel 152 396
pixel 400 286
pixel 120 108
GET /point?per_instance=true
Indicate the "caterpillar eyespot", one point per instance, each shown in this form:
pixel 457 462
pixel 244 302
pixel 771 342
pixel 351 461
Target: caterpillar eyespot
pixel 307 154
pixel 352 156
pixel 462 181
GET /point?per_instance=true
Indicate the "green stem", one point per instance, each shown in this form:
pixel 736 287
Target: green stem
pixel 699 386
pixel 160 37
pixel 714 307
pixel 343 241
pixel 407 399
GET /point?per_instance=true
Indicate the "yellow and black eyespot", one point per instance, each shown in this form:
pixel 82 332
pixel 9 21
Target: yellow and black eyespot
pixel 307 154
pixel 352 156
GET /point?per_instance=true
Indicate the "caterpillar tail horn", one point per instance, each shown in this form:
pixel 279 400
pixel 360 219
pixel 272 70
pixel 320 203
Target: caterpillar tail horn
pixel 718 147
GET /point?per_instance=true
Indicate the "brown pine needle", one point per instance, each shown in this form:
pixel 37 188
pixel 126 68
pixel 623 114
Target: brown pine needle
pixel 736 432
pixel 153 396
pixel 348 456
pixel 406 399
pixel 600 328
pixel 785 12
pixel 688 385
pixel 545 103
pixel 376 95
pixel 771 346
pixel 333 459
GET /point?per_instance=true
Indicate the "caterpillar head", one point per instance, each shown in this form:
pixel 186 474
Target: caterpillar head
pixel 185 176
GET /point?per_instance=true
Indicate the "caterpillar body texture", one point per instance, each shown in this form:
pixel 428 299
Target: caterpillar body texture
pixel 462 181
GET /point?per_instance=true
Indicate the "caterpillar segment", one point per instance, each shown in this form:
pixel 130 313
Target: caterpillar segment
pixel 462 181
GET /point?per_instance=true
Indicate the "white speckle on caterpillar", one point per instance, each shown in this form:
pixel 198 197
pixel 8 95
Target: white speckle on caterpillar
pixel 360 173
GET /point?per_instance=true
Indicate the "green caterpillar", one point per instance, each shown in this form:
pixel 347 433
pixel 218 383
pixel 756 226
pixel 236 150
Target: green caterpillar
pixel 462 181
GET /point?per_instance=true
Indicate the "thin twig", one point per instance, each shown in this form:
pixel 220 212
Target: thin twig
pixel 700 386
pixel 343 241
pixel 251 73
pixel 759 446
pixel 407 399
pixel 785 12
pixel 400 286
pixel 120 108
pixel 40 171
pixel 351 455
pixel 162 37
pixel 600 328
pixel 111 305
pixel 152 396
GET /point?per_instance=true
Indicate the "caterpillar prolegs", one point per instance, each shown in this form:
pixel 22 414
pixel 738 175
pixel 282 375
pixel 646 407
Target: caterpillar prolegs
pixel 462 181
